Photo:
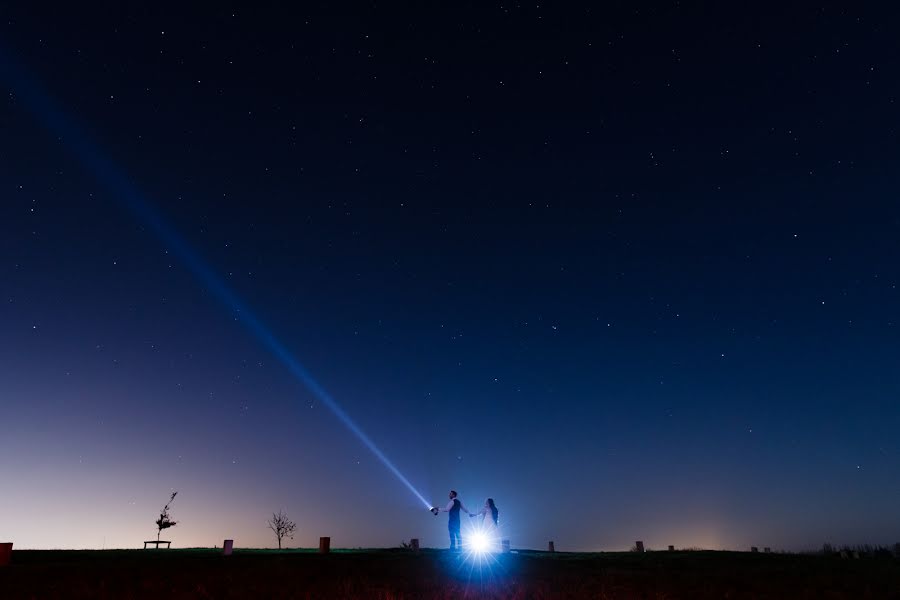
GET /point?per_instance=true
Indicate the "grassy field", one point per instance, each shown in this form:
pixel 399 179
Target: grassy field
pixel 394 574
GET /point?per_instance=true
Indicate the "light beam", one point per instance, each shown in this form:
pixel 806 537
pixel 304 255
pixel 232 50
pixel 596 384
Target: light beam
pixel 109 174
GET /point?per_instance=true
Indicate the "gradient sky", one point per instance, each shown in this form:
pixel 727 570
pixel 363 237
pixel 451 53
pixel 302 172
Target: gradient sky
pixel 632 272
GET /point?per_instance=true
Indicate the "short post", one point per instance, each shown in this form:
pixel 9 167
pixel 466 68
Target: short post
pixel 505 545
pixel 5 553
pixel 767 550
pixel 754 549
pixel 324 545
pixel 227 547
pixel 551 547
pixel 639 546
pixel 671 548
pixel 414 544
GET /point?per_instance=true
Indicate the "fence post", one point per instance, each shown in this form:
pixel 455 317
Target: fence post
pixel 639 546
pixel 5 553
pixel 324 545
pixel 227 547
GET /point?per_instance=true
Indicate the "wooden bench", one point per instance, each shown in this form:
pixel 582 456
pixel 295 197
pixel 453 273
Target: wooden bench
pixel 157 543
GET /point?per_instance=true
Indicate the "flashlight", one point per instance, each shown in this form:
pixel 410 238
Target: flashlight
pixel 435 510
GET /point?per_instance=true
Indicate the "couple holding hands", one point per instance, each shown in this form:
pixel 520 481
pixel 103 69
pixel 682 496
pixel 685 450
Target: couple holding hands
pixel 488 529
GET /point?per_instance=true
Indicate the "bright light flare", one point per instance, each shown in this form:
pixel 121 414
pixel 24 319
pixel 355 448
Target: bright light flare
pixel 479 543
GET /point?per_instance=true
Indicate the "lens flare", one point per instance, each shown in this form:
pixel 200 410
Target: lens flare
pixel 479 543
pixel 108 173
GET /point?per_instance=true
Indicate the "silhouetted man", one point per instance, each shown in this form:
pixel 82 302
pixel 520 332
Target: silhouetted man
pixel 453 507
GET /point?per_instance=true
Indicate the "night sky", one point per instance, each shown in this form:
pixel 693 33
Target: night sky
pixel 632 272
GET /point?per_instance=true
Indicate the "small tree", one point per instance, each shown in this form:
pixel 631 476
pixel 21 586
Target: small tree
pixel 164 521
pixel 282 526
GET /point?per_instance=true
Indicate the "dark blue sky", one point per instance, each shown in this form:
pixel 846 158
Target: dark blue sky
pixel 631 272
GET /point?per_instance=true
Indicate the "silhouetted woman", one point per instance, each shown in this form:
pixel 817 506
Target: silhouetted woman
pixel 490 524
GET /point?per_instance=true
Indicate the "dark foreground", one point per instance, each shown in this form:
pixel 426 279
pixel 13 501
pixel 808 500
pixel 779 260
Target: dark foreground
pixel 387 574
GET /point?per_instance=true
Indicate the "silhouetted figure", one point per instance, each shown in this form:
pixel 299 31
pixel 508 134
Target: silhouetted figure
pixel 453 525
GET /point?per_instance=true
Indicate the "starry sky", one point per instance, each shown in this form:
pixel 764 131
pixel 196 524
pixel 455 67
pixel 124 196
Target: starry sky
pixel 631 270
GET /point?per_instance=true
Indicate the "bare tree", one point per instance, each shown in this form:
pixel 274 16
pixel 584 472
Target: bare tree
pixel 164 521
pixel 282 526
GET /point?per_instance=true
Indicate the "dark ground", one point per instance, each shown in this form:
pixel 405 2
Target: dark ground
pixel 387 574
